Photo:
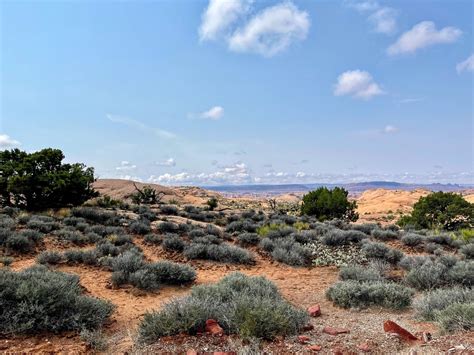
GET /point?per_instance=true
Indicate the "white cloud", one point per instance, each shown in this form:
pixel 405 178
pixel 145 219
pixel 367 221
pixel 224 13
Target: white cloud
pixel 167 162
pixel 384 20
pixel 467 65
pixel 390 129
pixel 357 83
pixel 423 35
pixel 140 126
pixel 363 6
pixel 220 15
pixel 125 166
pixel 237 173
pixel 7 142
pixel 271 31
pixel 214 113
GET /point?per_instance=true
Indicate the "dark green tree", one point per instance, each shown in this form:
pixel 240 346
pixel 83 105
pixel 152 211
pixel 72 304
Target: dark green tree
pixel 328 204
pixel 212 203
pixel 39 180
pixel 440 210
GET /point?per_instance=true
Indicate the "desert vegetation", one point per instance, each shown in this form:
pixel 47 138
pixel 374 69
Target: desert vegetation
pixel 150 247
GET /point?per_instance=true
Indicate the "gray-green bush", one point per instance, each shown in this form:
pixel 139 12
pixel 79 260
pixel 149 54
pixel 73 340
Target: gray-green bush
pixel 354 294
pixel 248 306
pixel 36 300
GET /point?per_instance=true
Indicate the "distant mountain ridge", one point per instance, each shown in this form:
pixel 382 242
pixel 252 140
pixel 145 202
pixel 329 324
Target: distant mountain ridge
pixel 353 188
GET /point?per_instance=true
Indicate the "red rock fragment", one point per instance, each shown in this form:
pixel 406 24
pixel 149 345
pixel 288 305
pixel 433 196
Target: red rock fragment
pixel 314 311
pixel 303 339
pixel 364 347
pixel 191 352
pixel 224 353
pixel 315 348
pixel 213 327
pixel 307 327
pixel 335 331
pixel 392 327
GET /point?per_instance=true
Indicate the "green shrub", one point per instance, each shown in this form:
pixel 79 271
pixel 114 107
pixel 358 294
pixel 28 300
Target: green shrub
pixel 384 235
pixel 49 257
pixel 381 251
pixel 468 250
pixel 169 209
pixel 19 243
pixel 437 300
pixel 412 239
pixel 167 227
pixel 467 234
pixel 6 260
pixel 287 251
pixel 173 242
pixel 140 227
pixel 359 273
pixel 441 210
pixel 342 237
pixel 95 339
pixel 96 215
pixel 354 294
pixel 462 273
pixel 223 253
pixel 248 306
pixel 328 204
pixel 151 276
pixel 247 239
pixel 36 300
pixel 5 233
pixel 153 239
pixel 457 317
pixel 427 276
pixel 39 180
pixel 366 228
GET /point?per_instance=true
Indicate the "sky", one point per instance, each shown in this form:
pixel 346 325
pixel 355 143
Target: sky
pixel 223 92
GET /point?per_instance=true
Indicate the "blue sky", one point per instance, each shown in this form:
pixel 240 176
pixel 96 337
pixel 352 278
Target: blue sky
pixel 241 91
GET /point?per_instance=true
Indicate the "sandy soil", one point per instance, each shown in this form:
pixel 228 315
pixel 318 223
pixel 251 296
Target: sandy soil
pixel 301 286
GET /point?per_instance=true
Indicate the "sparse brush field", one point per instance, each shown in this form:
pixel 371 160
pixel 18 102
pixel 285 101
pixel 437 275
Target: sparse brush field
pixel 148 280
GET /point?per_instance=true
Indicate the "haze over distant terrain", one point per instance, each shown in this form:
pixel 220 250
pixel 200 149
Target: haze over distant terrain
pixel 243 92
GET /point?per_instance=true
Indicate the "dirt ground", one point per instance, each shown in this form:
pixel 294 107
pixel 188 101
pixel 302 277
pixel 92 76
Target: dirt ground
pixel 303 287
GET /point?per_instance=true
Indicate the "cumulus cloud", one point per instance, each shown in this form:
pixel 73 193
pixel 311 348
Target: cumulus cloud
pixel 125 166
pixel 7 142
pixel 267 32
pixel 423 35
pixel 271 31
pixel 363 6
pixel 384 20
pixel 358 84
pixel 237 173
pixel 467 65
pixel 220 15
pixel 168 162
pixel 140 126
pixel 214 113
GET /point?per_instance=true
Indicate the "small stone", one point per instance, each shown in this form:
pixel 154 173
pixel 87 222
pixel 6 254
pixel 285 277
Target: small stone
pixel 392 327
pixel 191 352
pixel 364 347
pixel 213 327
pixel 307 327
pixel 303 339
pixel 315 347
pixel 314 311
pixel 335 331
